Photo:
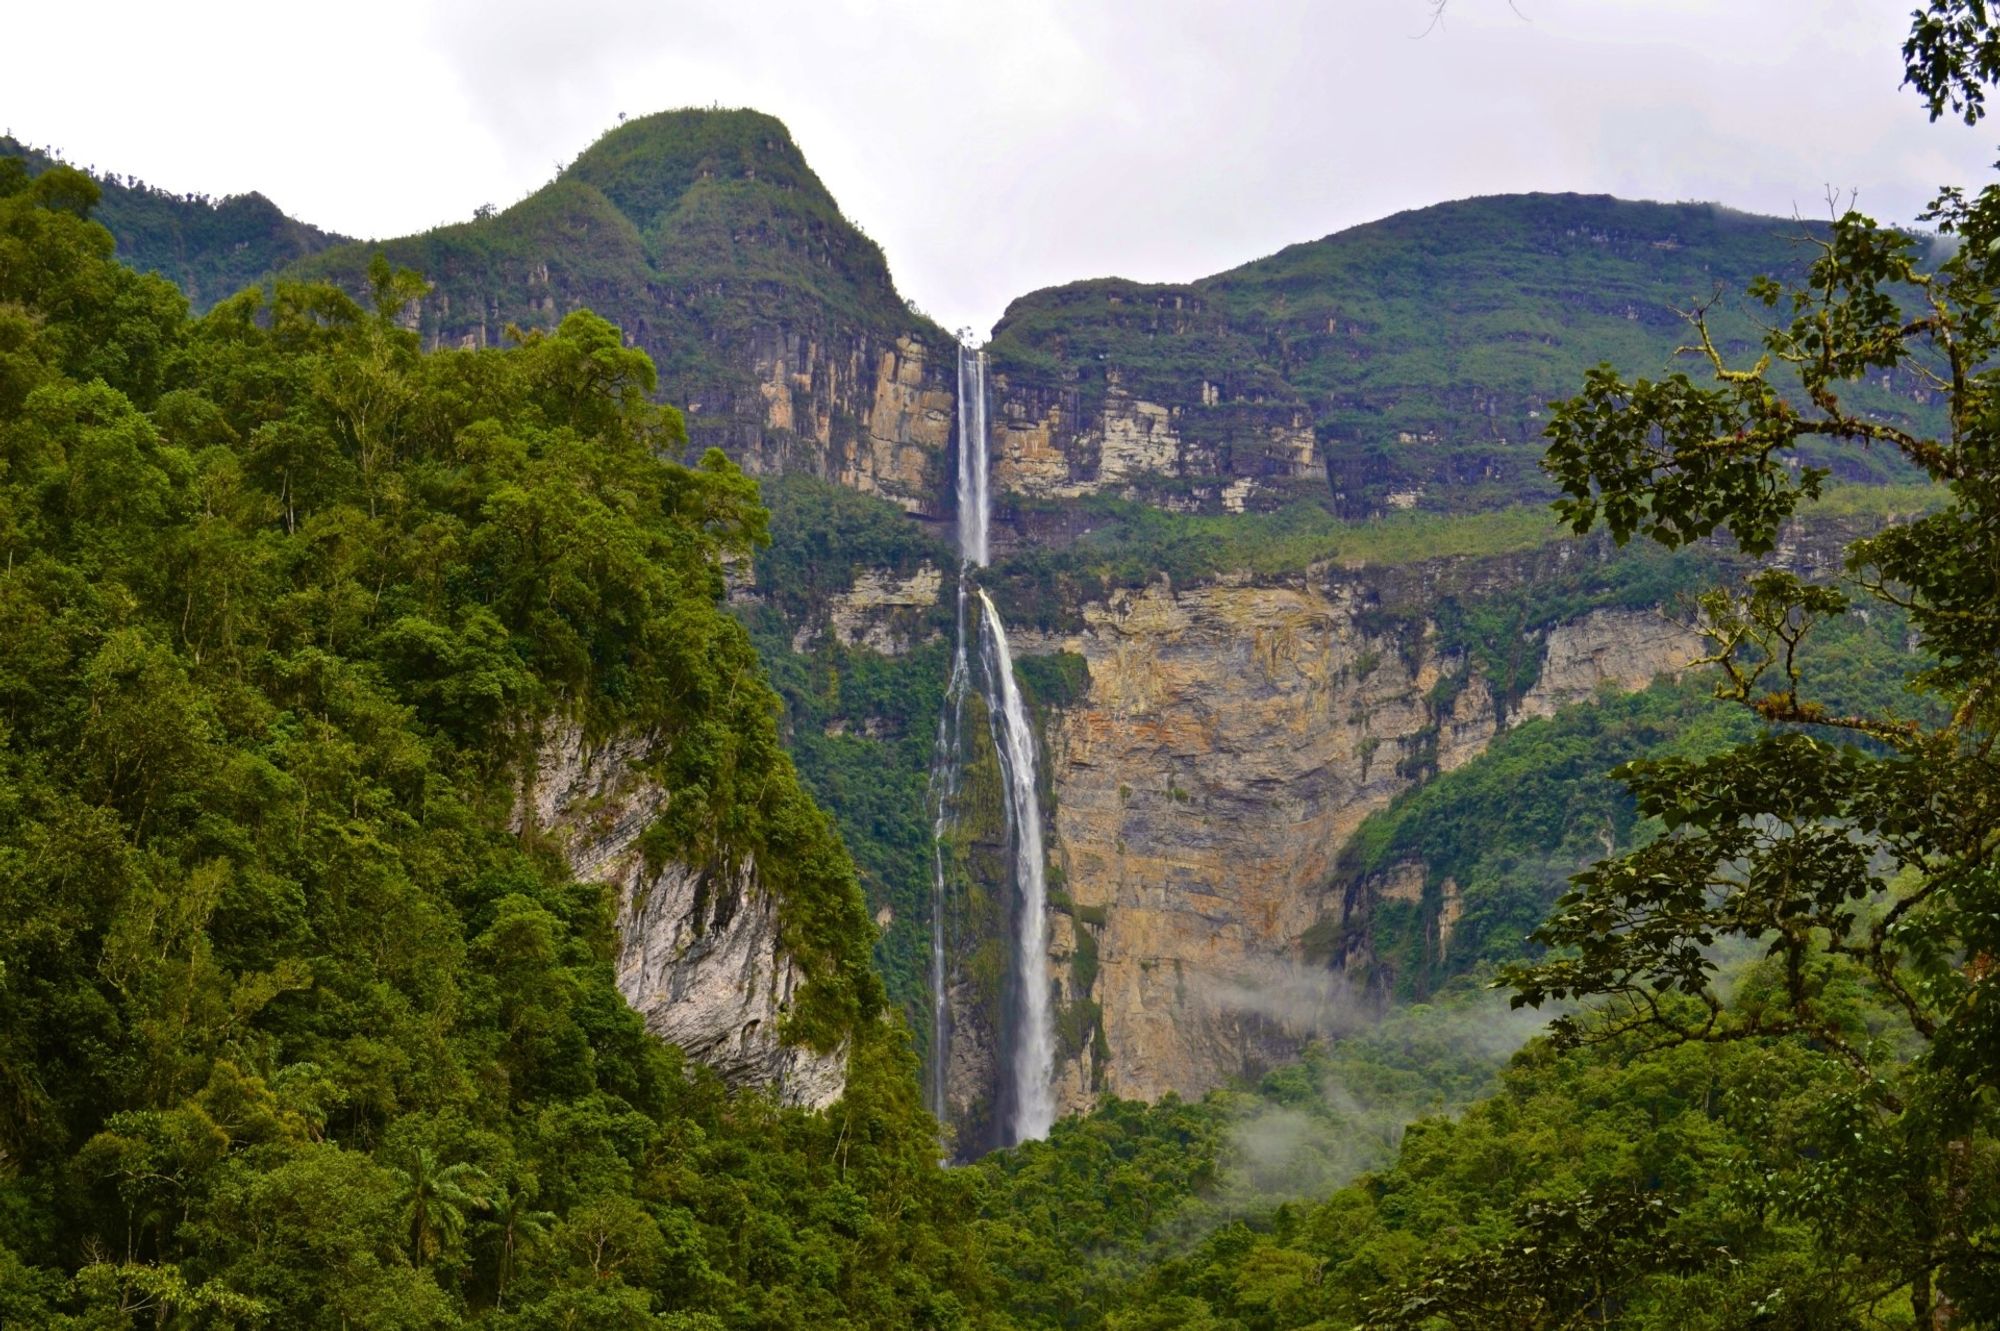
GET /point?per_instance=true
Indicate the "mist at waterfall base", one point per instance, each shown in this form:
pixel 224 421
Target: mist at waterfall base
pixel 1342 1110
pixel 1024 1103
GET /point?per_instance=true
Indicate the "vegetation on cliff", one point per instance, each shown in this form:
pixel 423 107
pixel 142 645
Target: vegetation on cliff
pixel 703 234
pixel 1425 348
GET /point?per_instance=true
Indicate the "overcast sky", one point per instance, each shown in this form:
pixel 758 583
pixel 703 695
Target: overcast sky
pixel 997 147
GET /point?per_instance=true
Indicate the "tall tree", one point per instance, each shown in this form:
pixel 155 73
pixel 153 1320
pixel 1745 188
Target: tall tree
pixel 435 1197
pixel 1854 849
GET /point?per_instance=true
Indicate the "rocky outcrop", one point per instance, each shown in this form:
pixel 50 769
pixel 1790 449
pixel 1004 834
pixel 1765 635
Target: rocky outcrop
pixel 909 423
pixel 874 415
pixel 1233 736
pixel 699 955
pixel 1204 454
pixel 1618 649
pixel 880 611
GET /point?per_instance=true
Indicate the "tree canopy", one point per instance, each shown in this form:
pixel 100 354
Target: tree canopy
pixel 298 1025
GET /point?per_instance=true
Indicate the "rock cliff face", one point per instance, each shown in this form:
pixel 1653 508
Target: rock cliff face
pixel 707 239
pixel 881 612
pixel 871 412
pixel 1233 736
pixel 699 955
pixel 1407 363
pixel 1205 454
pixel 1618 649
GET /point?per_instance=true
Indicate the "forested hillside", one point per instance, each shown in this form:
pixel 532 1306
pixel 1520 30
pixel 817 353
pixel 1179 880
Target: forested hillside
pixel 320 1007
pixel 210 248
pixel 299 1024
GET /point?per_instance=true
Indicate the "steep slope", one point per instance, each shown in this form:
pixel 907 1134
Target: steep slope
pixel 210 248
pixel 1400 364
pixel 1213 770
pixel 373 742
pixel 709 240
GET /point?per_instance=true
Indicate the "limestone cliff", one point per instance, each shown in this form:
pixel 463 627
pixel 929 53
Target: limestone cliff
pixel 1206 454
pixel 1619 649
pixel 1406 363
pixel 873 413
pixel 699 952
pixel 880 611
pixel 1233 736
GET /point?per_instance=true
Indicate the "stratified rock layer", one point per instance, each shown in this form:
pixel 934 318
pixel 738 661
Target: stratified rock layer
pixel 1233 737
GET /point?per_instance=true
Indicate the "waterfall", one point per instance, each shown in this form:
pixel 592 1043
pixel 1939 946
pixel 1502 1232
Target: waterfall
pixel 1030 1070
pixel 945 768
pixel 974 506
pixel 1034 1055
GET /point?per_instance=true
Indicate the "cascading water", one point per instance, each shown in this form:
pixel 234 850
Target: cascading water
pixel 974 507
pixel 1031 1067
pixel 945 768
pixel 1034 1060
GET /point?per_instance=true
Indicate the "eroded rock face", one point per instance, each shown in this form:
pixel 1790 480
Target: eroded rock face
pixel 874 416
pixel 699 955
pixel 1212 455
pixel 880 611
pixel 1233 737
pixel 1621 649
pixel 909 424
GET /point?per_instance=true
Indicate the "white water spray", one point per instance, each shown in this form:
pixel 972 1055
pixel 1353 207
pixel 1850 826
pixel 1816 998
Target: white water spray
pixel 1034 1058
pixel 945 770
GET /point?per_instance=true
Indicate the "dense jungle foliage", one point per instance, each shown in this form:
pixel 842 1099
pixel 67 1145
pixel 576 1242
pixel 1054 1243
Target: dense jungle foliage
pixel 296 1028
pixel 304 1023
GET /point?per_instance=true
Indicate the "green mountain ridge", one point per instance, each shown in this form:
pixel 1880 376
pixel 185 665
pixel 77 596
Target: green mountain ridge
pixel 1421 349
pixel 1424 347
pixel 209 248
pixel 707 238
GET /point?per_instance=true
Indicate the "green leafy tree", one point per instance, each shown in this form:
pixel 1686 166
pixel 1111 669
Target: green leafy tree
pixel 1856 848
pixel 435 1198
pixel 1569 1266
pixel 520 1227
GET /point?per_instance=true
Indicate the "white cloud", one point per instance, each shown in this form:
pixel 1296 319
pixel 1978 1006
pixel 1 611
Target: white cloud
pixel 993 149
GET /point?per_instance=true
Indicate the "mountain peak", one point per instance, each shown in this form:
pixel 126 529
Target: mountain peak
pixel 646 165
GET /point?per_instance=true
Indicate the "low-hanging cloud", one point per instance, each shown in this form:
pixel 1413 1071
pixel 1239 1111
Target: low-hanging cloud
pixel 1354 1120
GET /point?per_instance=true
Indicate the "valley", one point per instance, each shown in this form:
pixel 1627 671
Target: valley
pixel 820 822
pixel 1209 513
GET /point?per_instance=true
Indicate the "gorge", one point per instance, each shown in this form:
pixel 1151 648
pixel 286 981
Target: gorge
pixel 594 767
pixel 1268 549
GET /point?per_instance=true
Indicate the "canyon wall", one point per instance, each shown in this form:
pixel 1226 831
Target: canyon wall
pixel 1234 735
pixel 1211 452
